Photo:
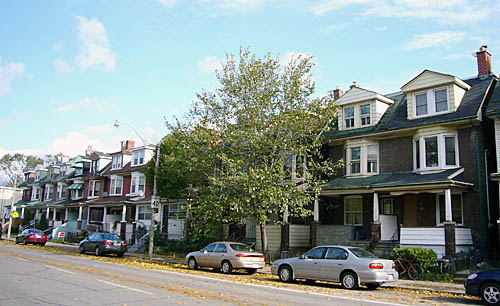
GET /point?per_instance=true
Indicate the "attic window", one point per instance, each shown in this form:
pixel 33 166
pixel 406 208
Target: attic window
pixel 349 117
pixel 364 111
pixel 430 102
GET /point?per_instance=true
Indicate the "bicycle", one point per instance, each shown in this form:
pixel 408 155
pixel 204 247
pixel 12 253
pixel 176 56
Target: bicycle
pixel 403 266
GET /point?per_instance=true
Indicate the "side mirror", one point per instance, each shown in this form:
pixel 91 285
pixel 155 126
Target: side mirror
pixel 303 256
pixel 205 252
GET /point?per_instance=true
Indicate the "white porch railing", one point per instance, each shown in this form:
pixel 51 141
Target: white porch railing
pixel 433 238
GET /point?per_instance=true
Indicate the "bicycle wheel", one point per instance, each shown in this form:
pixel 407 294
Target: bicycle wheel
pixel 415 271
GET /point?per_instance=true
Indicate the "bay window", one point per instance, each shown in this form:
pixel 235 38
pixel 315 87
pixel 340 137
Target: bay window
pixel 94 188
pixel 355 160
pixel 138 183
pixel 435 152
pixel 362 158
pixel 371 159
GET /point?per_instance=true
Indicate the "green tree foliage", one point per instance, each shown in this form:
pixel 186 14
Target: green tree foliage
pixel 13 166
pixel 42 224
pixel 27 217
pixel 232 155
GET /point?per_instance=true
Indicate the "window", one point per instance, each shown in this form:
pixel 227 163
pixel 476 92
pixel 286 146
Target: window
pixel 316 253
pixel 138 158
pixel 221 248
pixel 431 152
pixel 36 194
pixel 435 152
pixel 138 183
pixel 61 191
pixel 49 192
pixel 177 211
pixel 144 213
pixel 95 166
pixel 37 176
pixel 371 159
pixel 336 253
pixel 94 188
pixel 117 161
pixel 96 214
pixel 456 208
pixel 353 210
pixel 349 117
pixel 386 206
pixel 364 111
pixel 116 185
pixel 62 171
pixel 76 194
pixel 210 248
pixel 355 160
pixel 79 171
pixel 421 104
pixel 430 102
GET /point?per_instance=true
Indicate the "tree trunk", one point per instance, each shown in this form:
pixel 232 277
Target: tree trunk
pixel 263 239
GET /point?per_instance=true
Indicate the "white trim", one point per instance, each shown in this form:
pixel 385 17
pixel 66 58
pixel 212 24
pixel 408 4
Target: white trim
pixel 441 150
pixel 438 211
pixel 363 167
pixel 431 102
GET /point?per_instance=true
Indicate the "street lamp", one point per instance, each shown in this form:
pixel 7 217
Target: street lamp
pixel 154 198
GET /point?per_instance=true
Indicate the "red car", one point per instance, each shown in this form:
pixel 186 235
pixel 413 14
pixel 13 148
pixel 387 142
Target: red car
pixel 31 235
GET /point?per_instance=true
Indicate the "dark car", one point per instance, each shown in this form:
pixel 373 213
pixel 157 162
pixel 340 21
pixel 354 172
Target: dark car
pixel 103 243
pixel 32 235
pixel 486 285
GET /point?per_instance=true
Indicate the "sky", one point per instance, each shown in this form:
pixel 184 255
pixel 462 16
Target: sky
pixel 69 69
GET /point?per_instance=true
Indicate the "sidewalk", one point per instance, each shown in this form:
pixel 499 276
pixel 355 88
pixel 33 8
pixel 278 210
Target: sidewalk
pixel 451 288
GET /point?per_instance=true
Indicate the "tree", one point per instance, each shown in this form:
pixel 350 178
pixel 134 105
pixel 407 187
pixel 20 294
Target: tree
pixel 13 166
pixel 42 224
pixel 241 135
pixel 27 217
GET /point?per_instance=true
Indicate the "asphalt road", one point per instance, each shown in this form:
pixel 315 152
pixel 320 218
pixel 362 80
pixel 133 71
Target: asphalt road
pixel 31 275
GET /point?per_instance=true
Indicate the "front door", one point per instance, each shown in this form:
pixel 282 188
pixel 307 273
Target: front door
pixel 333 263
pixel 410 211
pixel 206 253
pixel 308 265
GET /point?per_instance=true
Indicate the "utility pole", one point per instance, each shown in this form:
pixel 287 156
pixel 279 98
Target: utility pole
pixel 153 200
pixel 12 207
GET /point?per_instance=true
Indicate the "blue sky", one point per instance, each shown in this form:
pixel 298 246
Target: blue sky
pixel 68 69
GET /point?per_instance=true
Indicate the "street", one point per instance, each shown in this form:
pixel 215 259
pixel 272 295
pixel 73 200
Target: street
pixel 32 275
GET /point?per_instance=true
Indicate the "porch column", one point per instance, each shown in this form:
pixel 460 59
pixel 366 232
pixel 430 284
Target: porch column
pixel 375 226
pixel 104 219
pixel 66 215
pixel 123 223
pixel 449 226
pixel 79 221
pixel 22 212
pixel 47 214
pixel 37 214
pixel 316 210
pixel 53 217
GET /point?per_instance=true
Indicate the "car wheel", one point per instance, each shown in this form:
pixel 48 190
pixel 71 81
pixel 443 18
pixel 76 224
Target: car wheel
pixel 82 249
pixel 97 251
pixel 42 244
pixel 490 294
pixel 119 254
pixel 192 264
pixel 349 280
pixel 285 273
pixel 251 271
pixel 17 241
pixel 310 281
pixel 372 286
pixel 25 242
pixel 227 268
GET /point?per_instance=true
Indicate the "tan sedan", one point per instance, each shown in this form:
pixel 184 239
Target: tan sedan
pixel 226 256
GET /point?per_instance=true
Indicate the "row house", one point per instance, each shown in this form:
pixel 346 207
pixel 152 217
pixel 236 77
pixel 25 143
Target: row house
pixel 415 170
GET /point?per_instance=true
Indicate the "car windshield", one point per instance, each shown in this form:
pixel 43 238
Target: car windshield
pixel 36 231
pixel 110 237
pixel 240 247
pixel 362 253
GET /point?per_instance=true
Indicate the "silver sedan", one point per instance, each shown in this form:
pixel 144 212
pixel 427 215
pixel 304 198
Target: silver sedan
pixel 347 265
pixel 226 256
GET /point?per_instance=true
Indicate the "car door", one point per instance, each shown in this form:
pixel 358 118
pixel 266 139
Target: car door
pixel 335 260
pixel 218 255
pixel 204 258
pixel 89 245
pixel 308 265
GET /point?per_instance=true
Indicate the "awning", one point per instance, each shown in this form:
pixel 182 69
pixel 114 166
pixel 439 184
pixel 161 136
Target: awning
pixel 76 186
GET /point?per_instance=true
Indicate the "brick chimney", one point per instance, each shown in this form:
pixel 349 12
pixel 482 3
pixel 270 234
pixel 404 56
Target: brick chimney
pixel 127 145
pixel 483 61
pixel 337 93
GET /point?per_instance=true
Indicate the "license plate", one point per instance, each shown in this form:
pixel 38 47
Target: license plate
pixel 390 277
pixel 38 236
pixel 117 244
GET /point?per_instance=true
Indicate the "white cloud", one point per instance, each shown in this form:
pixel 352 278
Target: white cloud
pixel 209 64
pixel 58 46
pixel 381 29
pixel 240 6
pixel 85 103
pixel 444 39
pixel 444 11
pixel 10 72
pixel 61 66
pixel 13 118
pixel 290 55
pixel 94 45
pixel 167 2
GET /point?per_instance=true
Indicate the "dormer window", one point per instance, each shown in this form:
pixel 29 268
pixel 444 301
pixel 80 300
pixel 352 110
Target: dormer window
pixel 95 166
pixel 138 158
pixel 433 101
pixel 364 111
pixel 62 171
pixel 37 176
pixel 117 162
pixel 349 117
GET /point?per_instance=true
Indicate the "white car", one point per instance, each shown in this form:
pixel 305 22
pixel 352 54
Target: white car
pixel 349 266
pixel 226 256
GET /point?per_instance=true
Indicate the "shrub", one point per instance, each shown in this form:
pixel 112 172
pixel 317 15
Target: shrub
pixel 424 257
pixel 42 224
pixel 27 218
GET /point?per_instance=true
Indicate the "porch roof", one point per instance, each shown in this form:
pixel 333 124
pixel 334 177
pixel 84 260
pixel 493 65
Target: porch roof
pixel 495 176
pixel 76 186
pixel 400 180
pixel 120 200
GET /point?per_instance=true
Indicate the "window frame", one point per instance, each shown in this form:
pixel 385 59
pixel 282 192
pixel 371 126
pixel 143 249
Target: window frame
pixel 367 117
pixel 117 161
pixel 351 121
pixel 430 96
pixel 93 191
pixel 145 211
pixel 438 208
pixel 140 158
pixel 113 186
pixel 419 151
pixel 363 161
pixel 135 183
pixel 353 162
pixel 346 199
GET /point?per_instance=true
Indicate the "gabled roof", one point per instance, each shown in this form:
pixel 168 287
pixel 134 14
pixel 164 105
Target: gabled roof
pixel 446 79
pixel 494 104
pixel 357 94
pixel 125 169
pixel 396 116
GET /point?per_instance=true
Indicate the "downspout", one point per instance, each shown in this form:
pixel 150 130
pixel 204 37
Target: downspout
pixel 490 225
pixel 480 188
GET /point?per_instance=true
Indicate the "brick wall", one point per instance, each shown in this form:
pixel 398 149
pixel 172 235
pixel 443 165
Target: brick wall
pixel 396 154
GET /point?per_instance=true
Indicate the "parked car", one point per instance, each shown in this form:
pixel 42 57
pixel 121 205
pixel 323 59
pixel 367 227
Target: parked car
pixel 103 243
pixel 32 235
pixel 347 265
pixel 226 256
pixel 486 285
